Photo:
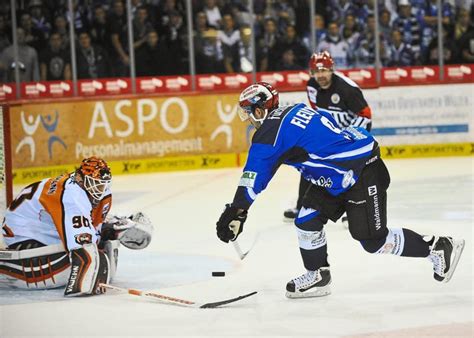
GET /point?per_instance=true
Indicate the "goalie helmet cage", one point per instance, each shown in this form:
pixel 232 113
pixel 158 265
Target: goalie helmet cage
pixel 6 189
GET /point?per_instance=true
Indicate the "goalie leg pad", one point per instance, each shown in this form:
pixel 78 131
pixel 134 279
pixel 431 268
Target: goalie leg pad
pixel 89 267
pixel 111 250
pixel 44 271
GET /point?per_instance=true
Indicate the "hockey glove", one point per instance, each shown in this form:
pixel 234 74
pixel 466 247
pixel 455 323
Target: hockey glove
pixel 134 232
pixel 139 236
pixel 231 223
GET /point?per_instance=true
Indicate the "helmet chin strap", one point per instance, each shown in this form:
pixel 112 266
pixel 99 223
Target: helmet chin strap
pixel 252 116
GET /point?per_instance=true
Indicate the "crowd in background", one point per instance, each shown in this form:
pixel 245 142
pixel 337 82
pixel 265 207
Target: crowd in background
pixel 222 35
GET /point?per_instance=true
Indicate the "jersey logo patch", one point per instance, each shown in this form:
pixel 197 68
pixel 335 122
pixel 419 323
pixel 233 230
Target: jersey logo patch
pixel 83 238
pixel 335 98
pixel 248 179
pixel 372 190
pixel 347 179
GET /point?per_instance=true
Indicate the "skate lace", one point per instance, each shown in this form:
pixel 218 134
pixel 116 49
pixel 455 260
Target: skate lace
pixel 306 279
pixel 439 264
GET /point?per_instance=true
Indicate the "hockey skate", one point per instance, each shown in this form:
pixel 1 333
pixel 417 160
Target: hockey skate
pixel 445 254
pixel 290 214
pixel 311 284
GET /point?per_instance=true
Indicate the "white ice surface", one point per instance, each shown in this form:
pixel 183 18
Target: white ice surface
pixel 371 294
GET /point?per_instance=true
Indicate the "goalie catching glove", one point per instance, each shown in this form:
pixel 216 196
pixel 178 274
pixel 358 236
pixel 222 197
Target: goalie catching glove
pixel 133 232
pixel 231 223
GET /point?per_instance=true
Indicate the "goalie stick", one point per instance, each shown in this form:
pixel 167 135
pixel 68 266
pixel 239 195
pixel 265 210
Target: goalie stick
pixel 173 300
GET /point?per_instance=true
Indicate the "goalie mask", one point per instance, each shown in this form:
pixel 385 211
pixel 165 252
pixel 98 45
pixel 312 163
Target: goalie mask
pixel 96 177
pixel 259 95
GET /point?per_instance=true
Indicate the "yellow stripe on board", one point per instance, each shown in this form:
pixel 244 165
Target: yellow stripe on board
pixel 214 161
pixel 210 161
pixel 428 150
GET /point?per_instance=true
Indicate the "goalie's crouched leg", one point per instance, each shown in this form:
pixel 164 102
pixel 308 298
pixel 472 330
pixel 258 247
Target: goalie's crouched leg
pixel 47 271
pixel 89 268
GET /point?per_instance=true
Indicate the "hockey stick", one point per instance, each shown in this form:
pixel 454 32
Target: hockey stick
pixel 176 301
pixel 239 251
pixel 11 255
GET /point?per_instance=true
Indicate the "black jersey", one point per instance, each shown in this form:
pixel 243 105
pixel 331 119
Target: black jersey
pixel 343 99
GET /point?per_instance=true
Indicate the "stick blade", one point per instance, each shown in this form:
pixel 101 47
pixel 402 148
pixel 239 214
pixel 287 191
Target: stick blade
pixel 227 301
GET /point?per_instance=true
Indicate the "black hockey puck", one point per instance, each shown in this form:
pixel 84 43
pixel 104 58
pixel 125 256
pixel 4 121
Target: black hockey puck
pixel 218 273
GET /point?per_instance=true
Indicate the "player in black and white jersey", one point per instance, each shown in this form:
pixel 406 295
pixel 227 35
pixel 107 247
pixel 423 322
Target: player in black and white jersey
pixel 338 95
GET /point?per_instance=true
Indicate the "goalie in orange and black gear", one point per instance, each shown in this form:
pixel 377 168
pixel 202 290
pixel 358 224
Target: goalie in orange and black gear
pixel 68 213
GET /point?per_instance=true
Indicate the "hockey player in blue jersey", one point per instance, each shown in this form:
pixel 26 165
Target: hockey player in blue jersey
pixel 347 175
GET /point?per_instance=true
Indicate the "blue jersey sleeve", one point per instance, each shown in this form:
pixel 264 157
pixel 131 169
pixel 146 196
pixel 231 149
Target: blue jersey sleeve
pixel 261 165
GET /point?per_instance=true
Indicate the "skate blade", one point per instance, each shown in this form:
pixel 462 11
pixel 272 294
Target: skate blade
pixel 288 220
pixel 458 247
pixel 320 292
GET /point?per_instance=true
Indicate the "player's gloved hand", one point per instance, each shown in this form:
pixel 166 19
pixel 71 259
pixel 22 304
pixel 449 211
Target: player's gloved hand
pixel 231 223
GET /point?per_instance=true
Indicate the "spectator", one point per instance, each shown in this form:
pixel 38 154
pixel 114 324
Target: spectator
pixel 462 23
pixel 81 21
pixel 350 31
pixel 231 44
pixel 336 46
pixel 408 24
pixel 240 13
pixel 153 57
pixel 339 9
pixel 60 27
pixel 320 25
pixel 321 31
pixel 119 39
pixel 466 46
pixel 352 39
pixel 213 14
pixel 98 31
pixel 288 61
pixel 265 44
pixel 4 34
pixel 430 20
pixel 399 53
pixel 92 60
pixel 431 13
pixel 282 12
pixel 39 20
pixel 208 54
pixel 350 22
pixel 391 7
pixel 166 7
pixel 27 61
pixel 33 37
pixel 54 61
pixel 385 26
pixel 141 27
pixel 291 41
pixel 246 50
pixel 449 49
pixel 365 50
pixel 176 38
